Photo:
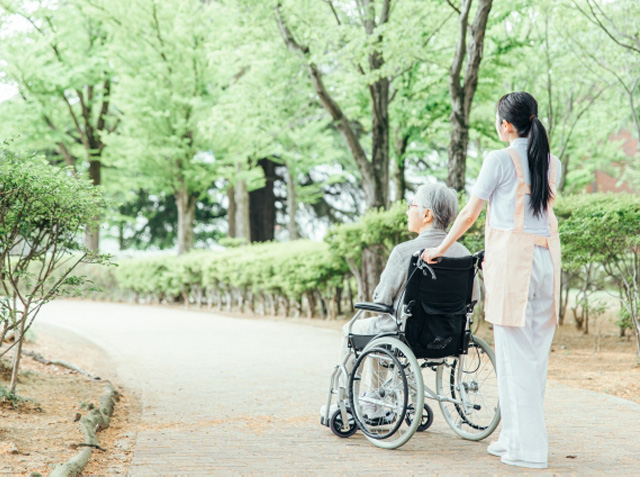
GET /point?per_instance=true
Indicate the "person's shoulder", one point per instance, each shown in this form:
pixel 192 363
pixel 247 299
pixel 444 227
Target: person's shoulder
pixel 457 250
pixel 497 157
pixel 406 249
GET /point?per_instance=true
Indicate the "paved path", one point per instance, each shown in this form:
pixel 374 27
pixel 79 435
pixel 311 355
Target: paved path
pixel 229 396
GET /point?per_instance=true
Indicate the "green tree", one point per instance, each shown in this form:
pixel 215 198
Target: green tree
pixel 605 228
pixel 65 78
pixel 42 211
pixel 166 89
pixel 353 54
pixel 613 51
pixel 267 116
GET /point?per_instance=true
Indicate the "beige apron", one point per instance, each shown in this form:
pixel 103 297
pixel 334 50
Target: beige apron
pixel 509 258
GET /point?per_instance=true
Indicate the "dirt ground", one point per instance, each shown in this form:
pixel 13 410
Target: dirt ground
pixel 42 429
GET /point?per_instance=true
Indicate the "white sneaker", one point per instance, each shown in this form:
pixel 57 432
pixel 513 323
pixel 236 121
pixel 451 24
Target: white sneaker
pixel 496 449
pixel 523 463
pixel 370 410
pixel 374 413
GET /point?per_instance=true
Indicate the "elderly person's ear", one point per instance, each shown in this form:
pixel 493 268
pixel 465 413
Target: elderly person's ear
pixel 428 215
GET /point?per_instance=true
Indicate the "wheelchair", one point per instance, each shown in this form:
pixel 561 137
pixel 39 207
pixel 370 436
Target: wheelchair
pixel 384 392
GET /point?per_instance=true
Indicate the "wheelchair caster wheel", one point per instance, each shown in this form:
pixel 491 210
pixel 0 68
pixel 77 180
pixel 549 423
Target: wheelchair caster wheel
pixel 337 427
pixel 427 417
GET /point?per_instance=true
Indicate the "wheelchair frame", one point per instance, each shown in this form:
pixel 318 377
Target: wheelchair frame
pixel 345 421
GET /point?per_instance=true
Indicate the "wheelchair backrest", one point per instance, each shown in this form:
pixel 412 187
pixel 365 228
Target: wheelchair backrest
pixel 438 297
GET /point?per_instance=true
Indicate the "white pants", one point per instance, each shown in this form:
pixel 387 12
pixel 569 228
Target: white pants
pixel 522 355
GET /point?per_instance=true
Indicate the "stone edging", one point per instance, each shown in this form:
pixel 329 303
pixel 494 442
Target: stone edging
pixel 95 420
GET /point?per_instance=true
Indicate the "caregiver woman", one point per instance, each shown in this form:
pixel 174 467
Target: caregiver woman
pixel 521 271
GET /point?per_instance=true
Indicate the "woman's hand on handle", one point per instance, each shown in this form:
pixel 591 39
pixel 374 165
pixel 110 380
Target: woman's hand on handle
pixel 430 255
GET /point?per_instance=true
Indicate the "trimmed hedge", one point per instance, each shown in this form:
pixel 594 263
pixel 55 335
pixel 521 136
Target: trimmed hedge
pixel 264 278
pixel 303 275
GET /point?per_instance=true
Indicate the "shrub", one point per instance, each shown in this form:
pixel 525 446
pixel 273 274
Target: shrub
pixel 605 229
pixel 43 211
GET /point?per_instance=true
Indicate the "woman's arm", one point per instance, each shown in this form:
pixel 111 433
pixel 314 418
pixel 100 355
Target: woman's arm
pixel 467 217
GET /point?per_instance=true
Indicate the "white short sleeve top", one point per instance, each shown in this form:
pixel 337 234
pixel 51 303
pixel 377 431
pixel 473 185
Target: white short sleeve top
pixel 498 182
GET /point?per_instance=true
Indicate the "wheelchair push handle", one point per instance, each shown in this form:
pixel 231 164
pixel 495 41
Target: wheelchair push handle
pixel 478 258
pixel 424 266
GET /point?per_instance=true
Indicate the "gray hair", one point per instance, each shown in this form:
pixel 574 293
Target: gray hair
pixel 441 200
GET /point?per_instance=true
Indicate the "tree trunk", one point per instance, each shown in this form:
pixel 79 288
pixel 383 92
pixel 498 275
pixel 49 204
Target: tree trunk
pixel 565 283
pixel 350 295
pixel 92 234
pixel 262 205
pixel 400 182
pixel 252 301
pixel 563 173
pixel 121 243
pixel 243 223
pixel 372 266
pixel 379 197
pixel 92 238
pixel 285 304
pixel 186 204
pixel 462 93
pixel 458 151
pixel 228 298
pixel 297 307
pixel 374 171
pixel 292 204
pixel 311 304
pixel 273 305
pixel 231 211
pixel 324 312
pixel 18 354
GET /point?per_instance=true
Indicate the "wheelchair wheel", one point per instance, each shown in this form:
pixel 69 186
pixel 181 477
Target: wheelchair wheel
pixel 340 429
pixel 425 421
pixel 386 380
pixel 469 386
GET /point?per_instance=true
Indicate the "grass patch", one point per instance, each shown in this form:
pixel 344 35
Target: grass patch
pixel 7 397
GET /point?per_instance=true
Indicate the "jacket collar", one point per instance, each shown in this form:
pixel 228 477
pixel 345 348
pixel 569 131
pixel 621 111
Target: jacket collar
pixel 432 232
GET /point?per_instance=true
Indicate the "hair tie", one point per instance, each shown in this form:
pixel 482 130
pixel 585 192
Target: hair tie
pixel 531 117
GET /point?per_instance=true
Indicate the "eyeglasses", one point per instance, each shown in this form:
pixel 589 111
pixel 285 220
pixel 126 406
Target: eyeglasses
pixel 412 205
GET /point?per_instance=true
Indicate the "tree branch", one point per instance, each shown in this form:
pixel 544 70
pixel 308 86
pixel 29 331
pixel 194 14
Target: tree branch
pixel 156 26
pixel 454 7
pixel 335 14
pixel 369 15
pixel 461 48
pixel 474 52
pixel 86 115
pixel 597 21
pixel 384 15
pixel 342 123
pixel 83 135
pixel 106 91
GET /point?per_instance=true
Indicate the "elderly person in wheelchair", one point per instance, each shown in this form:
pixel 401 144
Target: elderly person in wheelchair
pixel 379 384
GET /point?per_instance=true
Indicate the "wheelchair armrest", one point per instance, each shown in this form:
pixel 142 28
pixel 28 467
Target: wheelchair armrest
pixel 374 307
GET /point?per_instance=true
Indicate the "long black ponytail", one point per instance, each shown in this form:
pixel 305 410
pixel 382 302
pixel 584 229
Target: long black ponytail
pixel 521 110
